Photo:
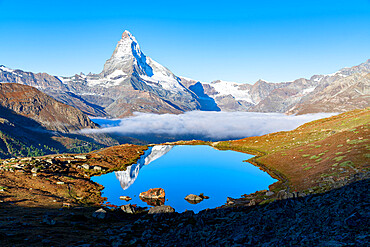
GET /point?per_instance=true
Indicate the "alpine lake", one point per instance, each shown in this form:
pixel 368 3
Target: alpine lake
pixel 183 170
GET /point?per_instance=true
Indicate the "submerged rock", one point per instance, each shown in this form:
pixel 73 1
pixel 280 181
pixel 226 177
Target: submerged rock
pixel 161 210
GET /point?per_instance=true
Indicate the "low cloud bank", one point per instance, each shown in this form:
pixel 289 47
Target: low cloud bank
pixel 212 125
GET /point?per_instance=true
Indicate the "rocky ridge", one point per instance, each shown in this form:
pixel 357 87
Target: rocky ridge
pixel 347 89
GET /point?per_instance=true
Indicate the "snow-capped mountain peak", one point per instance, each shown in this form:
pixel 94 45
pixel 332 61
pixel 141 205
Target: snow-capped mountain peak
pixel 129 60
pixel 126 54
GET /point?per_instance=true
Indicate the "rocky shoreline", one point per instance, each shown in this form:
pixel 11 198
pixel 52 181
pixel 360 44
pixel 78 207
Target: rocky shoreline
pixel 339 217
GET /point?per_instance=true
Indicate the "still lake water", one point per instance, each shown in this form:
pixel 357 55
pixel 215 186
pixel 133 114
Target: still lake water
pixel 183 170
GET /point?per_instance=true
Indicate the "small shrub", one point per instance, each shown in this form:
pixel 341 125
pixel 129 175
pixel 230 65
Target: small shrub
pixel 338 153
pixel 314 157
pixel 339 158
pixel 357 141
pixel 347 163
pixel 306 155
pixel 307 168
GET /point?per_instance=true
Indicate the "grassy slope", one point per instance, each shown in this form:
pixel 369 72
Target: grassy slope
pixel 330 148
pixel 25 190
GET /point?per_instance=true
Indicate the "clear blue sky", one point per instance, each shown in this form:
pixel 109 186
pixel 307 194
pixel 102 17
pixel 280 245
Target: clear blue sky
pixel 206 40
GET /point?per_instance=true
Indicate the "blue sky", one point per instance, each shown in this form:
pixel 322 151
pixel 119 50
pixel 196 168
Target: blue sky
pixel 239 41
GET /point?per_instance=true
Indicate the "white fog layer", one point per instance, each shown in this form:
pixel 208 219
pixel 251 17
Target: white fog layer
pixel 214 125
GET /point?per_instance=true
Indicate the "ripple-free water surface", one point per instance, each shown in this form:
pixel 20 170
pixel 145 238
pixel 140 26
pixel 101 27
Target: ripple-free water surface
pixel 183 170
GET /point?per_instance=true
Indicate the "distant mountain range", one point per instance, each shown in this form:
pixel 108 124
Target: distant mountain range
pixel 132 82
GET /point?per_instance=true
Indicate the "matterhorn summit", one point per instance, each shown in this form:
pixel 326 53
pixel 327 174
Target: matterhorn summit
pixel 126 55
pixel 128 60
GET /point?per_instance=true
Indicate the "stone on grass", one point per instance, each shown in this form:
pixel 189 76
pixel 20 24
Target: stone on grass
pixel 35 170
pixel 86 166
pixel 269 193
pixel 81 157
pixel 97 168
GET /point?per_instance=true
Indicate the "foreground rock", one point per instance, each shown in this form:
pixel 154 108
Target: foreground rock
pixel 129 209
pixel 161 210
pixel 100 214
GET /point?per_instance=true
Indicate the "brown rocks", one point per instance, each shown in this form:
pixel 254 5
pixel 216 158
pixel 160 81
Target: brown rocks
pixel 126 198
pixel 153 197
pixel 156 193
pixel 194 199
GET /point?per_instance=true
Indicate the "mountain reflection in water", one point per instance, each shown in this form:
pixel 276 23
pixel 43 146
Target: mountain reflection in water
pixel 128 177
